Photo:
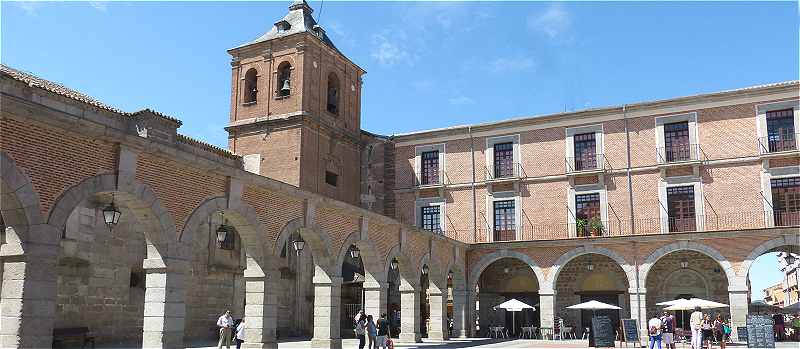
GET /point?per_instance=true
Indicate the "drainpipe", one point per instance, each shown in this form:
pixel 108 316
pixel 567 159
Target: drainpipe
pixel 474 197
pixel 633 222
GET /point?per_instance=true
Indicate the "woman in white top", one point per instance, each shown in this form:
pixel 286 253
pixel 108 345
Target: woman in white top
pixel 240 334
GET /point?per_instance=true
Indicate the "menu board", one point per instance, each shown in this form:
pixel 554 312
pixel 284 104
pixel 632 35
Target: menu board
pixel 760 331
pixel 630 330
pixel 742 333
pixel 603 330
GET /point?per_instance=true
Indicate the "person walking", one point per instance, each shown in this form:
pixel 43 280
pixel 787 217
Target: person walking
pixel 708 332
pixel 780 329
pixel 361 330
pixel 696 323
pixel 654 330
pixel 240 334
pixel 225 324
pixel 383 332
pixel 719 330
pixel 372 333
pixel 668 330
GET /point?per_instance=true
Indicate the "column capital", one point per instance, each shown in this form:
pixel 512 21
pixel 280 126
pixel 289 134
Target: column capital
pixel 375 285
pixel 334 281
pixel 634 291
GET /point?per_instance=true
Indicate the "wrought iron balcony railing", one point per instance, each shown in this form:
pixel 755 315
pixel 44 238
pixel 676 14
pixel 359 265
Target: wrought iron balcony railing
pixel 506 171
pixel 680 153
pixel 586 163
pixel 778 143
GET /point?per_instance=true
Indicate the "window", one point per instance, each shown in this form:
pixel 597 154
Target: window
pixel 504 220
pixel 786 201
pixel 587 213
pixel 284 84
pixel 585 152
pixel 503 160
pixel 780 130
pixel 676 142
pixel 333 94
pixel 431 218
pixel 430 167
pixel 250 86
pixel 331 178
pixel 680 209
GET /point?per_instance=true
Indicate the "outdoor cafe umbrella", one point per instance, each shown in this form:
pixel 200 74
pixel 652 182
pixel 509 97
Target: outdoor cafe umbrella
pixel 513 306
pixel 593 305
pixel 690 304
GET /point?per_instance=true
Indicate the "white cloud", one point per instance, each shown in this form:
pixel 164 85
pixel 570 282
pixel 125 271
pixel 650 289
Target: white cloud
pixel 101 6
pixel 512 64
pixel 461 100
pixel 554 21
pixel 389 52
pixel 30 7
pixel 339 34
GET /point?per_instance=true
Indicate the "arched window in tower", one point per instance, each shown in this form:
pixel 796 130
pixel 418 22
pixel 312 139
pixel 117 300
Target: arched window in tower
pixel 250 86
pixel 284 83
pixel 333 93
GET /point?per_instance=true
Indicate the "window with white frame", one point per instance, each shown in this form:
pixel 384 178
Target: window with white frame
pixel 677 138
pixel 584 148
pixel 429 164
pixel 502 157
pixel 430 214
pixel 430 167
pixel 681 201
pixel 786 201
pixel 777 124
pixel 587 210
pixel 504 215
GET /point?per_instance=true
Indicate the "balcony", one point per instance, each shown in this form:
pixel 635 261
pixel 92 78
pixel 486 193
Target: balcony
pixel 512 171
pixel 681 154
pixel 590 163
pixel 778 144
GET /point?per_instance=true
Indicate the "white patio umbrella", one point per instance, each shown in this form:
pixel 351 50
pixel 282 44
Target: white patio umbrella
pixel 593 305
pixel 690 304
pixel 513 306
pixel 668 303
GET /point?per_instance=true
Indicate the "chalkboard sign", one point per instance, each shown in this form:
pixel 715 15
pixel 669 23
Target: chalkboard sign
pixel 760 331
pixel 603 329
pixel 742 333
pixel 630 330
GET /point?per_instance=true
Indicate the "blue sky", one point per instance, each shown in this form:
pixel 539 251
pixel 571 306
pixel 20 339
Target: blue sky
pixel 428 64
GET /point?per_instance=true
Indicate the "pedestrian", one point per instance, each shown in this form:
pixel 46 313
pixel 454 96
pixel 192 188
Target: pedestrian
pixel 696 323
pixel 372 333
pixel 796 326
pixel 358 316
pixel 654 330
pixel 668 330
pixel 240 334
pixel 383 332
pixel 361 330
pixel 719 330
pixel 779 327
pixel 225 324
pixel 708 331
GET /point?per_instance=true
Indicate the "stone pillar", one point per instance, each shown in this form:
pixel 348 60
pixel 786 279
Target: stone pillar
pixel 737 298
pixel 28 303
pixel 438 313
pixel 547 309
pixel 460 314
pixel 409 315
pixel 164 307
pixel 260 310
pixel 485 313
pixel 327 314
pixel 639 306
pixel 375 297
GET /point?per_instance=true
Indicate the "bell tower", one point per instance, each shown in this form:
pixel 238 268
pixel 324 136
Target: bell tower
pixel 296 107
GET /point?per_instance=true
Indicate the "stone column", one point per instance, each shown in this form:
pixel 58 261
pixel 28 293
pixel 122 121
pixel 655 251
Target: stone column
pixel 460 314
pixel 639 306
pixel 438 305
pixel 164 307
pixel 547 309
pixel 409 315
pixel 260 310
pixel 28 303
pixel 327 314
pixel 485 312
pixel 376 295
pixel 737 298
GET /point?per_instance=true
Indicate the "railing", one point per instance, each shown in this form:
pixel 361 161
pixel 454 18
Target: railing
pixel 514 170
pixel 680 153
pixel 778 143
pixel 722 221
pixel 588 162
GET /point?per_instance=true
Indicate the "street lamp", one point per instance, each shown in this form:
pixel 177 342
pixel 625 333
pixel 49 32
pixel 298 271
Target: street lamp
pixel 590 266
pixel 450 275
pixel 222 230
pixel 354 252
pixel 394 264
pixel 298 244
pixel 684 264
pixel 425 269
pixel 111 214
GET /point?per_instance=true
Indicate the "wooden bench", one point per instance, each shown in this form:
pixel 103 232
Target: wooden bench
pixel 81 333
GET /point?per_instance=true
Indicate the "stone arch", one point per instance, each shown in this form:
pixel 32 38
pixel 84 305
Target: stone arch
pixel 316 241
pixel 19 203
pixel 372 266
pixel 243 216
pixel 490 258
pixel 767 246
pixel 404 264
pixel 669 280
pixel 630 272
pixel 687 245
pixel 459 278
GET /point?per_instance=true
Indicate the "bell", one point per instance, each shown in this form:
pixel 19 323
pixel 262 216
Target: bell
pixel 285 87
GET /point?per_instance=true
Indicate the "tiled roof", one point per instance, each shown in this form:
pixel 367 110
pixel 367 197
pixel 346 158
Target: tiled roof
pixel 299 20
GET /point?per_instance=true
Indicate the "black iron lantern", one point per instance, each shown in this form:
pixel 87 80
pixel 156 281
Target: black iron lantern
pixel 790 258
pixel 684 264
pixel 394 264
pixel 354 252
pixel 222 231
pixel 111 214
pixel 450 275
pixel 425 269
pixel 298 244
pixel 589 266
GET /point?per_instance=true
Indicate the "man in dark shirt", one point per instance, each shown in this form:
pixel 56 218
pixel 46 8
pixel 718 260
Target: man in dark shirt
pixel 779 326
pixel 668 330
pixel 384 332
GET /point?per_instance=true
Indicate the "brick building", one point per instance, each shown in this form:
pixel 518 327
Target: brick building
pixel 632 205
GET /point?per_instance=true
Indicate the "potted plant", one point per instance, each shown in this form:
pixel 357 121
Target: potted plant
pixel 596 226
pixel 580 226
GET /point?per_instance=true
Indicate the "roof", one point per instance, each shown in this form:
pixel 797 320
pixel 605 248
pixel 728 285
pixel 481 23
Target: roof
pixel 300 21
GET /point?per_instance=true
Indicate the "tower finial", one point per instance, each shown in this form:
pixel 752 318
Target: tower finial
pixel 300 5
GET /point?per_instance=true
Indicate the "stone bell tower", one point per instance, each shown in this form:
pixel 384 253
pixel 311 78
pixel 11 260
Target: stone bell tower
pixel 296 107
